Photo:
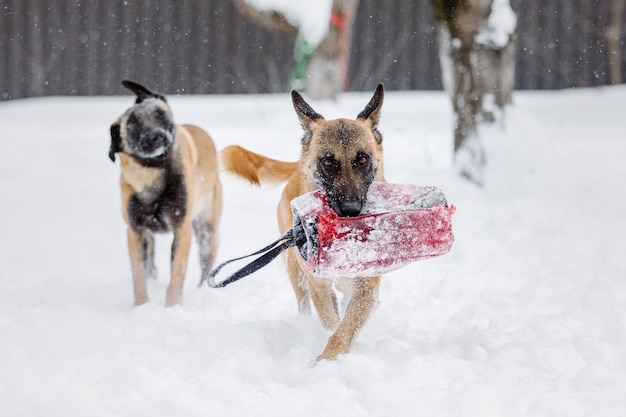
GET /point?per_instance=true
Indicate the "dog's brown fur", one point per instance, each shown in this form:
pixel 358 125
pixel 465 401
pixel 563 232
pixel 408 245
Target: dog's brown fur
pixel 343 157
pixel 169 183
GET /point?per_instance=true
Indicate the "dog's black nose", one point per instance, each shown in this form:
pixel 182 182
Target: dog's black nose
pixel 157 137
pixel 349 208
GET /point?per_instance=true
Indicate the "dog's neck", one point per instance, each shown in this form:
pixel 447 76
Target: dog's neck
pixel 141 178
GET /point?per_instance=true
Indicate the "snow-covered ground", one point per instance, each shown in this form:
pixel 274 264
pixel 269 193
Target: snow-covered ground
pixel 526 316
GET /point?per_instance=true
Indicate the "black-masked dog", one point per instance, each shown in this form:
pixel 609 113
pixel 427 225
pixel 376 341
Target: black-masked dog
pixel 343 157
pixel 169 183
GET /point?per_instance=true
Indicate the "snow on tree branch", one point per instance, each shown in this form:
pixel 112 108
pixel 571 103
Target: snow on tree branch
pixel 500 26
pixel 310 17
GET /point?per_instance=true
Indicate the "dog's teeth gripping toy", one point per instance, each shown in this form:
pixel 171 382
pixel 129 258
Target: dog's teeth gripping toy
pixel 399 224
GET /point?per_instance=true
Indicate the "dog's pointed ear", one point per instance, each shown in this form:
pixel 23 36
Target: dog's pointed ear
pixel 305 112
pixel 371 112
pixel 141 91
pixel 116 141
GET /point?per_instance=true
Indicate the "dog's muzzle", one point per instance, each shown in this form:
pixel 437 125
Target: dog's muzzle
pixel 154 143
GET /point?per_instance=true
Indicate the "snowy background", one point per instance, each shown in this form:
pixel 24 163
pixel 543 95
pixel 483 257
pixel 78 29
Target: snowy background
pixel 526 316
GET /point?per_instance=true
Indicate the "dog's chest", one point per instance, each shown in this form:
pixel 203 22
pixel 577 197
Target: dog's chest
pixel 140 177
pixel 159 209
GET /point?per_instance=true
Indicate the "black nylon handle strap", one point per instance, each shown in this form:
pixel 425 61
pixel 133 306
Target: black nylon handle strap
pixel 269 252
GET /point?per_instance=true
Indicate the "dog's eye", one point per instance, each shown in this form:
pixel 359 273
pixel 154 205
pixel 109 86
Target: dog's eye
pixel 361 160
pixel 329 163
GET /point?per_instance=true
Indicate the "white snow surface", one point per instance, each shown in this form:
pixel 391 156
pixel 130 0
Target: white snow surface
pixel 526 316
pixel 311 17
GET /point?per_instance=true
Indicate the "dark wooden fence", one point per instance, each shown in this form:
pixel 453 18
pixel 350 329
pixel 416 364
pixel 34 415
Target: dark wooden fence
pixel 85 47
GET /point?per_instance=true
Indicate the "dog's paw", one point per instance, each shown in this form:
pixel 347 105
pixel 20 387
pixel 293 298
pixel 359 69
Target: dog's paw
pixel 173 298
pixel 326 357
pixel 329 354
pixel 139 301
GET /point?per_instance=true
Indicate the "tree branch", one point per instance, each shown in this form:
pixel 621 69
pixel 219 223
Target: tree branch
pixel 269 20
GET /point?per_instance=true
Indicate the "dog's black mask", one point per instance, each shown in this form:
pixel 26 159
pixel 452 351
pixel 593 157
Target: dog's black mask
pixel 149 131
pixel 145 131
pixel 345 184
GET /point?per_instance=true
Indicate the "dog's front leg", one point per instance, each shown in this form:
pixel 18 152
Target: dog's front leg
pixel 325 301
pixel 180 255
pixel 136 254
pixel 359 309
pixel 149 266
pixel 206 238
pixel 299 282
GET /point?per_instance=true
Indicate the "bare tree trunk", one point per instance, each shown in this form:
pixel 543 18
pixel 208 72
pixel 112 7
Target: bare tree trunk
pixel 328 67
pixel 478 66
pixel 496 43
pixel 495 68
pixel 459 22
pixel 613 36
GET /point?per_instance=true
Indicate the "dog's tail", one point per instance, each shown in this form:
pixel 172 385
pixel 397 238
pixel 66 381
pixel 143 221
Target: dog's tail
pixel 255 168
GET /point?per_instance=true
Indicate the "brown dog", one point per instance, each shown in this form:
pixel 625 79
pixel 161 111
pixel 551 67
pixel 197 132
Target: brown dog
pixel 342 157
pixel 169 183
